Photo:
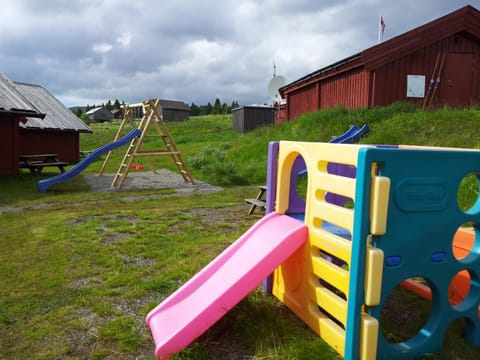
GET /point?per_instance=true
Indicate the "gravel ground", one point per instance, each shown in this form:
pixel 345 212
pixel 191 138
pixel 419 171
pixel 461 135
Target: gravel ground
pixel 149 180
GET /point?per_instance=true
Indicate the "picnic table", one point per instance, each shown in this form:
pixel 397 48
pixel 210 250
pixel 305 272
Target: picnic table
pixel 37 162
pixel 259 201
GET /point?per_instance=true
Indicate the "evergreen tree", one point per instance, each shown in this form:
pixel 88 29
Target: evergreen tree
pixel 194 110
pixel 116 104
pixel 208 109
pixel 217 107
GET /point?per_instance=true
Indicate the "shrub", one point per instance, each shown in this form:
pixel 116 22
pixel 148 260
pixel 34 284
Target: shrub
pixel 216 168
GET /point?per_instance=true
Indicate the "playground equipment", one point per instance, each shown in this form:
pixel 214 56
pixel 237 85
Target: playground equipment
pixel 352 135
pixel 402 220
pixel 192 309
pixel 43 185
pixel 151 125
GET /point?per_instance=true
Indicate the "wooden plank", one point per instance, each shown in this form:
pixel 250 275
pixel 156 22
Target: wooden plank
pixel 256 202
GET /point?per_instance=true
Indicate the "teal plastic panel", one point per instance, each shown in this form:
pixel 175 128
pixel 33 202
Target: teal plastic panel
pixel 423 216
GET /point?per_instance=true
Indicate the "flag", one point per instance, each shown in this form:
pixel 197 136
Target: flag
pixel 381 29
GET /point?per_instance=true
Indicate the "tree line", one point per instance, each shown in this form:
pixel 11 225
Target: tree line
pixel 215 109
pixel 195 110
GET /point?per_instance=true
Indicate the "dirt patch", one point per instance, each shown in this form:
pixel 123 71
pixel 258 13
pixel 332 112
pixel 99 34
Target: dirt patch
pixel 229 219
pixel 149 180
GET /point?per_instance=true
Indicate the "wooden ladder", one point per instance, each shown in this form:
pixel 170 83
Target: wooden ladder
pixel 128 118
pixel 126 163
pixel 169 142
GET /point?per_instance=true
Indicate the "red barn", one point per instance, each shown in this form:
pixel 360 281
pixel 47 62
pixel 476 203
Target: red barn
pixel 33 121
pixel 433 65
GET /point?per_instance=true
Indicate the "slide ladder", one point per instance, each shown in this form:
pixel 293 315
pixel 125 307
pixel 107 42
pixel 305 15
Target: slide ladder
pixel 151 125
pixel 169 142
pixel 127 161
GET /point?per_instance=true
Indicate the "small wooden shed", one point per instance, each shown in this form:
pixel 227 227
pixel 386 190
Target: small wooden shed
pixel 99 114
pixel 251 117
pixel 117 113
pixel 436 64
pixel 173 110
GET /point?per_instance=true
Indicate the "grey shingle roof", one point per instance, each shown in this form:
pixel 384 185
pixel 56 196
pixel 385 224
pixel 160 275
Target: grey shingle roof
pixel 11 99
pixel 173 104
pixel 94 110
pixel 58 117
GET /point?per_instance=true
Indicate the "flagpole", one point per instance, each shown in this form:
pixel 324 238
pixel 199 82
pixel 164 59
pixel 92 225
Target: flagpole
pixel 379 29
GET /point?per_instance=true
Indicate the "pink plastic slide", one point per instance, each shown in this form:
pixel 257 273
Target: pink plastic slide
pixel 218 287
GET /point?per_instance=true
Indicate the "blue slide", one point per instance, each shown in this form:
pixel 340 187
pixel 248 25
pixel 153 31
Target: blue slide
pixel 345 136
pixel 352 135
pixel 43 185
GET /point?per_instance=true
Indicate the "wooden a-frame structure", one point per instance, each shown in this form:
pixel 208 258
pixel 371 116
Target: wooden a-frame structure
pixel 151 119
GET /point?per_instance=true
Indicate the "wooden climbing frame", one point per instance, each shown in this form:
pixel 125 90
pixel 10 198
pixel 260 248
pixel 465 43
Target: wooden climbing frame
pixel 151 125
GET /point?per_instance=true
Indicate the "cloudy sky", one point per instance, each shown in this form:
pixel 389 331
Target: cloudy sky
pixel 89 51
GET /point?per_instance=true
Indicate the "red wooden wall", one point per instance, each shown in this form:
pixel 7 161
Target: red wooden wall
pixel 302 101
pixel 65 144
pixel 459 85
pixel 348 89
pixel 8 150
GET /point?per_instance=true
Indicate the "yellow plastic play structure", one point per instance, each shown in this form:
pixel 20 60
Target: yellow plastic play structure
pixel 297 281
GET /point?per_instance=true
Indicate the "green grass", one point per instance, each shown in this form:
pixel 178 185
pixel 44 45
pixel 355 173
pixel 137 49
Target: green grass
pixel 80 270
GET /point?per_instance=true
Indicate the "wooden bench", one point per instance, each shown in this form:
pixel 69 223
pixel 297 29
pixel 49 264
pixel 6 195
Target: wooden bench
pixel 259 201
pixel 36 163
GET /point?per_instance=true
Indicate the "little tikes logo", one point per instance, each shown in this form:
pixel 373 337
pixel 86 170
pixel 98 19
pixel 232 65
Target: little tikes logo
pixel 421 194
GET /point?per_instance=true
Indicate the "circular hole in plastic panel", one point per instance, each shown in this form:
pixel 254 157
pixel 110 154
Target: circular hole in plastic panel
pixel 459 287
pixel 455 330
pixel 406 310
pixel 464 291
pixel 467 194
pixel 463 244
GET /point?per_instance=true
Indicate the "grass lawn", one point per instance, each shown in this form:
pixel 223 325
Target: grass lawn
pixel 80 271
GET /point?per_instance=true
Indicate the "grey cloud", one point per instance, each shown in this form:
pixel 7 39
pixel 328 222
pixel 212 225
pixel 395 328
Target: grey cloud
pixel 93 50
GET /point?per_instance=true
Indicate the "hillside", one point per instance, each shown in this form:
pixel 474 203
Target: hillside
pixel 220 156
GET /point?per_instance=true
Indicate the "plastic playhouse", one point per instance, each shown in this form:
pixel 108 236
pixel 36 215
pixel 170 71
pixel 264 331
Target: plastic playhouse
pixel 372 218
